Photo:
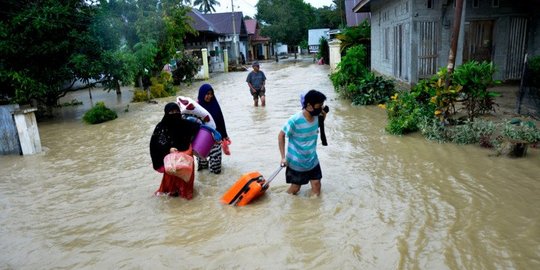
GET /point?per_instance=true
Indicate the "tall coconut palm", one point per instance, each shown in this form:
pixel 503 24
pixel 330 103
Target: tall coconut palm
pixel 206 6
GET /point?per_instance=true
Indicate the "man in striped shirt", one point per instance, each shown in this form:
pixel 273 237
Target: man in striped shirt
pixel 302 132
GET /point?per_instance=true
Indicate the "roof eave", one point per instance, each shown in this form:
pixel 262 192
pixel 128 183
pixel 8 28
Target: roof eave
pixel 362 6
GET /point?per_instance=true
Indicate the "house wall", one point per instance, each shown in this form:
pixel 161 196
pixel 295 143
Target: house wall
pixel 387 17
pixel 533 43
pixel 425 34
pixel 508 47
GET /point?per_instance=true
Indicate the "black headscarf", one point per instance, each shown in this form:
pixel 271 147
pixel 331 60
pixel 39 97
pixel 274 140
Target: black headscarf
pixel 172 131
pixel 213 108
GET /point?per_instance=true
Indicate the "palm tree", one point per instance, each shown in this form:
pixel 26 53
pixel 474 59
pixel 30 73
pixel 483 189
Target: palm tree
pixel 206 6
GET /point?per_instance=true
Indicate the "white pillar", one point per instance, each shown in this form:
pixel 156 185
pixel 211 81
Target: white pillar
pixel 335 54
pixel 27 128
pixel 226 60
pixel 206 74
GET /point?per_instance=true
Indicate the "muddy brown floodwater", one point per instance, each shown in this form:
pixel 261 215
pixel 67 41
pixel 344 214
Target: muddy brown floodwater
pixel 388 202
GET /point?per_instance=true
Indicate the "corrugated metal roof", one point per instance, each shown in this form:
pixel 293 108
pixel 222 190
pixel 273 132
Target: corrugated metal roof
pixel 200 23
pixel 223 22
pixel 251 26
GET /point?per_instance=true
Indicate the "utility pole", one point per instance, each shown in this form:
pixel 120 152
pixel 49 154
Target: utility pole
pixel 234 35
pixel 455 36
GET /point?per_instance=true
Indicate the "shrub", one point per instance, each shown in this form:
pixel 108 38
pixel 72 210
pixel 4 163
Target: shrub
pixel 187 67
pixel 371 90
pixel 405 112
pixel 475 78
pixel 464 134
pixel 479 131
pixel 99 114
pixel 324 50
pixel 443 96
pixel 351 68
pixel 161 86
pixel 355 35
pixel 140 96
pixel 523 131
pixel 432 129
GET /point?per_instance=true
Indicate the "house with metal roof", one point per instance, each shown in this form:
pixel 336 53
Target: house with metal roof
pixel 259 47
pixel 234 35
pixel 217 32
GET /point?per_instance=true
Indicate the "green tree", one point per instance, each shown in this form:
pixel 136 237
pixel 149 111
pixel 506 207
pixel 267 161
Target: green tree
pixel 206 6
pixel 341 12
pixel 47 46
pixel 41 45
pixel 285 21
pixel 161 27
pixel 327 17
pixel 355 35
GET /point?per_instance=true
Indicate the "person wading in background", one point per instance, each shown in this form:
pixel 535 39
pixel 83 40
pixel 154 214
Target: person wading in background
pixel 256 82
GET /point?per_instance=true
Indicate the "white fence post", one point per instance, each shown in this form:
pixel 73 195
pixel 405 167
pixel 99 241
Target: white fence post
pixel 335 53
pixel 27 128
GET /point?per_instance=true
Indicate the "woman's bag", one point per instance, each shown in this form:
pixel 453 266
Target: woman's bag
pixel 225 146
pixel 179 164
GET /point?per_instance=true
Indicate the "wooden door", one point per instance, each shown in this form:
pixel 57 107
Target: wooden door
pixel 478 43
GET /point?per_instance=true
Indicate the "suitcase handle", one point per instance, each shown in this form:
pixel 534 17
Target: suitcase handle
pixel 265 186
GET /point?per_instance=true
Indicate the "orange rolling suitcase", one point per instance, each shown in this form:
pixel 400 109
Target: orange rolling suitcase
pixel 247 188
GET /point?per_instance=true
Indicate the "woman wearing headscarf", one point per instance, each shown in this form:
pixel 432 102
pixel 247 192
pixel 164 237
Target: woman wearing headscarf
pixel 173 134
pixel 207 100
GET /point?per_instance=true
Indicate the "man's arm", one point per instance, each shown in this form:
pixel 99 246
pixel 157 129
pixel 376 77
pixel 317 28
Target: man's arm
pixel 251 88
pixel 281 144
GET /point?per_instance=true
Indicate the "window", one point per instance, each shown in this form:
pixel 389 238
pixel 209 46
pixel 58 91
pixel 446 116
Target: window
pixel 429 4
pixel 476 3
pixel 495 3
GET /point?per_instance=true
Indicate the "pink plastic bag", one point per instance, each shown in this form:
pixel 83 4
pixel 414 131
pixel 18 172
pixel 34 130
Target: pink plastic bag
pixel 179 164
pixel 225 146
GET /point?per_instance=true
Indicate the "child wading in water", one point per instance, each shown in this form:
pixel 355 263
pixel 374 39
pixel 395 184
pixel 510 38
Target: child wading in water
pixel 302 132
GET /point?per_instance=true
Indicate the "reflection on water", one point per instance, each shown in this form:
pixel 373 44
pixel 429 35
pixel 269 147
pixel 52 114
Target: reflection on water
pixel 388 202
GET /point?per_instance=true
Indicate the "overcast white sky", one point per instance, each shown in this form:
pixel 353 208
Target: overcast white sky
pixel 248 6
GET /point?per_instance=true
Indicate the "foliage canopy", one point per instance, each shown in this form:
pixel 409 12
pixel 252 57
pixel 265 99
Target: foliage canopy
pixel 49 48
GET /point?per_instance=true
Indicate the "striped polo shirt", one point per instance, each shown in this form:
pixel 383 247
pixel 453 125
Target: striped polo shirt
pixel 302 146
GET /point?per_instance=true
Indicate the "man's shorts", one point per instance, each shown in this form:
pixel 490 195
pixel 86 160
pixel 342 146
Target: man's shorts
pixel 258 93
pixel 302 178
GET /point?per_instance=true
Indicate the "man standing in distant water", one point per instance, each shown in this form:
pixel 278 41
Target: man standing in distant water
pixel 256 81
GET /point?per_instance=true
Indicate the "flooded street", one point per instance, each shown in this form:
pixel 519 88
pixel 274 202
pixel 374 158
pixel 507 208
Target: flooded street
pixel 387 202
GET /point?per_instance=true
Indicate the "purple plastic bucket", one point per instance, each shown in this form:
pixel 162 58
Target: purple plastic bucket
pixel 203 142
